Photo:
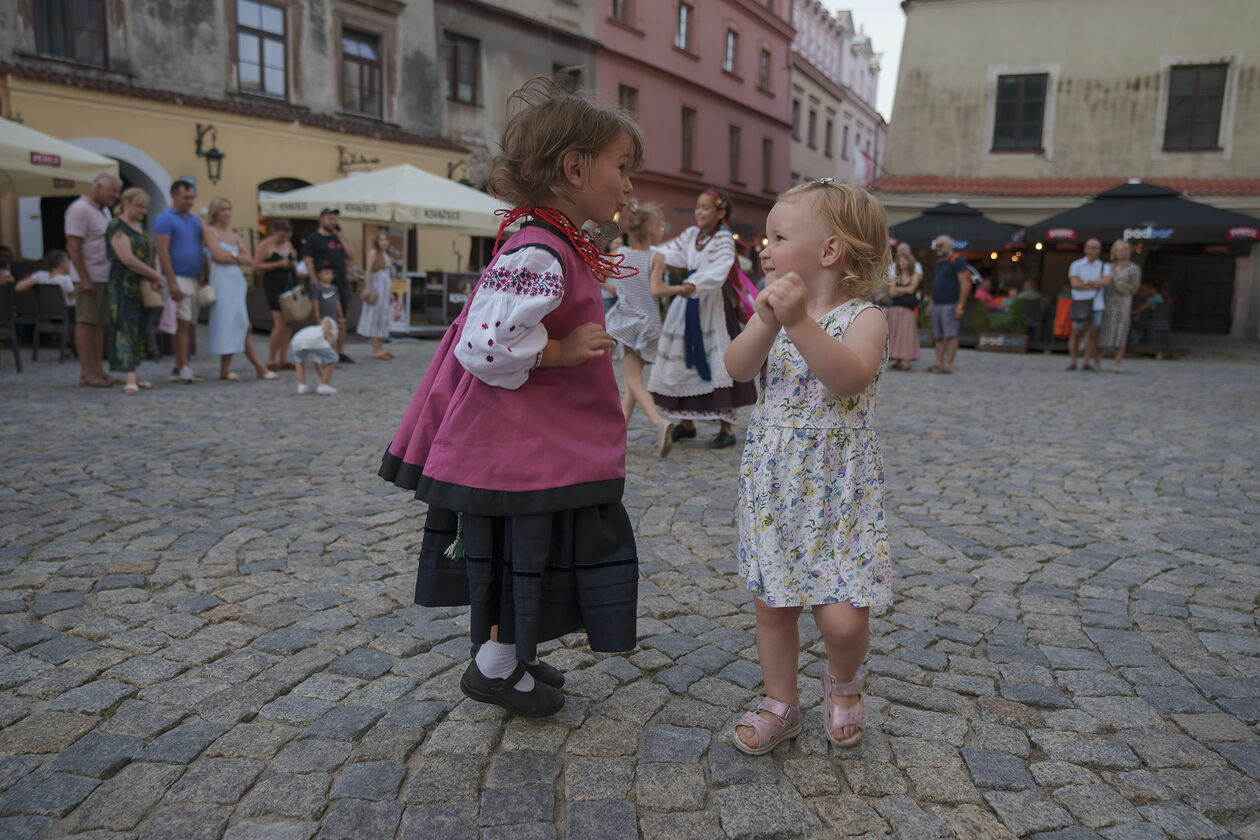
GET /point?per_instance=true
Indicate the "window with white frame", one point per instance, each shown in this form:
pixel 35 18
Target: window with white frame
pixel 261 49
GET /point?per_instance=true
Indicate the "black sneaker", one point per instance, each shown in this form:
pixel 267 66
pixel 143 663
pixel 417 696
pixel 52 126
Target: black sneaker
pixel 541 701
pixel 1089 368
pixel 345 360
pixel 722 440
pixel 681 431
pixel 540 671
pixel 1071 368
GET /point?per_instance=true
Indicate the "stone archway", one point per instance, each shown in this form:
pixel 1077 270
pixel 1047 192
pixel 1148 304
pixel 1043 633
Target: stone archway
pixel 40 229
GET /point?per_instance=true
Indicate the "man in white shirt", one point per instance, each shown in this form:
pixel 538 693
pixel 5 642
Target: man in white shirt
pixel 1088 277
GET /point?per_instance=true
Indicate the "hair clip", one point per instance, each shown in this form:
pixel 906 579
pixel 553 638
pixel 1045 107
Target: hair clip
pixel 826 180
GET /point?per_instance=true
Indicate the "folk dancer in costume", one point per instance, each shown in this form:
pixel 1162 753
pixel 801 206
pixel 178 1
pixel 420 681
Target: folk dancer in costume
pixel 516 438
pixel 689 381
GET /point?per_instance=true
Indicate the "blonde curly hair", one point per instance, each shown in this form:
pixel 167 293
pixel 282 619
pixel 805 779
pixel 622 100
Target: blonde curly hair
pixel 548 123
pixel 857 217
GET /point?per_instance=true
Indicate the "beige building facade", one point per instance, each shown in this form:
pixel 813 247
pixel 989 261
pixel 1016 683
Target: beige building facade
pixel 1027 108
pixel 836 131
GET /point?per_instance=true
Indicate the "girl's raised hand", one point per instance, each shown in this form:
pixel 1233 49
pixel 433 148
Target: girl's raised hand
pixel 789 299
pixel 764 311
pixel 589 341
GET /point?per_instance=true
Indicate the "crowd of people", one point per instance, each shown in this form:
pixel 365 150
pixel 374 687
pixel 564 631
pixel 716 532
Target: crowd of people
pixel 1110 305
pixel 122 284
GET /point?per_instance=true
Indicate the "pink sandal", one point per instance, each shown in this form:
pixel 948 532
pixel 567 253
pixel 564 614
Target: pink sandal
pixel 770 734
pixel 836 716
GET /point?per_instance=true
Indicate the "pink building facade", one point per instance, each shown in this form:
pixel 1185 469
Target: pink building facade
pixel 710 82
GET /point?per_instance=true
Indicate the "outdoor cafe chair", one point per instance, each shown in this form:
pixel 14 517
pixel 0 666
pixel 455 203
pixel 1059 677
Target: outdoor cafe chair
pixel 54 319
pixel 8 325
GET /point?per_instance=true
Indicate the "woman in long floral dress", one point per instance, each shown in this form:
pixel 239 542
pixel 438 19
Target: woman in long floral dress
pixel 131 262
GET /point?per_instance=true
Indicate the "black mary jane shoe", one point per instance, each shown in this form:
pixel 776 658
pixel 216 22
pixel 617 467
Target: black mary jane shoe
pixel 540 671
pixel 540 701
pixel 722 440
pixel 680 432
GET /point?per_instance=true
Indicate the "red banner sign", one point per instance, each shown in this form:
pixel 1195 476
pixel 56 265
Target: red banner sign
pixel 63 183
pixel 1061 233
pixel 41 159
pixel 1244 233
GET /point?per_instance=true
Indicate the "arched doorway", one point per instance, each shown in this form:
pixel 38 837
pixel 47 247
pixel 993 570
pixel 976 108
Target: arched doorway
pixel 43 225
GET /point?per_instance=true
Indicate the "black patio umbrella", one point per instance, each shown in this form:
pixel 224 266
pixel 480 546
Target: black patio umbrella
pixel 1138 211
pixel 968 227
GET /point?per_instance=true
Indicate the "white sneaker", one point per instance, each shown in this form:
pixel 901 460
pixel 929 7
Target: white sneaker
pixel 304 389
pixel 326 390
pixel 186 375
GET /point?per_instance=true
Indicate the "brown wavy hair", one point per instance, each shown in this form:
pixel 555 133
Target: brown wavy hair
pixel 545 123
pixel 857 217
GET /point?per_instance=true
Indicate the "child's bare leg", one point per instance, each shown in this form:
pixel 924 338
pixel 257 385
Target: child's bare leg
pixel 846 632
pixel 301 372
pixel 627 396
pixel 778 650
pixel 632 365
pixel 325 375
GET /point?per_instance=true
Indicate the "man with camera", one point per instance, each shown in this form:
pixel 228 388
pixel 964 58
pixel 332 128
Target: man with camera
pixel 328 245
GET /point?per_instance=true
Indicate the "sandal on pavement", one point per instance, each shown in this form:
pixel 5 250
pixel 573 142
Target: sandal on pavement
pixel 835 716
pixel 540 701
pixel 144 385
pixel 131 390
pixel 664 437
pixel 269 375
pixel 92 382
pixel 231 377
pixel 769 733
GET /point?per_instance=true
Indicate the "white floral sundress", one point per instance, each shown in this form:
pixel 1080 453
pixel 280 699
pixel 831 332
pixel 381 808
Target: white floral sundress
pixel 811 515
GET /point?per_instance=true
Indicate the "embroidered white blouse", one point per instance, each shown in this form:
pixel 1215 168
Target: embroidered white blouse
pixel 503 336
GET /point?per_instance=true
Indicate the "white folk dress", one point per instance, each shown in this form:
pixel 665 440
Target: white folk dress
pixel 811 513
pixel 708 263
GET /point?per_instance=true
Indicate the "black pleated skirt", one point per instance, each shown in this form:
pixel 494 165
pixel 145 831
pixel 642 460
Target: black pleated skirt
pixel 536 576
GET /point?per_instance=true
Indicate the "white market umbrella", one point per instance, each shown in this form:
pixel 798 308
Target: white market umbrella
pixel 33 163
pixel 400 194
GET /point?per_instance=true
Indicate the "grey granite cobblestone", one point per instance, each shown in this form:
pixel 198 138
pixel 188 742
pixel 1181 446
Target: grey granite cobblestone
pixel 218 642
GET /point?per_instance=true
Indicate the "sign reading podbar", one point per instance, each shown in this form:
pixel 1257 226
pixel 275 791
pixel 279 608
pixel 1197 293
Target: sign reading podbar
pixel 1147 232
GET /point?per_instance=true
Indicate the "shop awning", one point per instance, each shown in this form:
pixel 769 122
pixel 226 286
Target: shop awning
pixel 33 163
pixel 400 194
pixel 1141 212
pixel 969 228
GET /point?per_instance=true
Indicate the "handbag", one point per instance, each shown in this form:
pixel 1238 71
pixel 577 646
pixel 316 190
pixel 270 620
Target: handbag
pixel 909 301
pixel 370 297
pixel 1080 310
pixel 150 297
pixel 296 304
pixel 206 295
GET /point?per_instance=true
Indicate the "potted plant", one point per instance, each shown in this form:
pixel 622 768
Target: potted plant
pixel 1000 330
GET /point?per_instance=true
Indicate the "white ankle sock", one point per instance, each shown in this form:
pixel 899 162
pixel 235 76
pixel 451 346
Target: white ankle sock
pixel 498 661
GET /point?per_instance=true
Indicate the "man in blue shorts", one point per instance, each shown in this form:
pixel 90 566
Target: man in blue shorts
pixel 951 286
pixel 1088 276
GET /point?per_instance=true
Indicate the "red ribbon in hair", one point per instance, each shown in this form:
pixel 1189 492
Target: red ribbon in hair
pixel 605 267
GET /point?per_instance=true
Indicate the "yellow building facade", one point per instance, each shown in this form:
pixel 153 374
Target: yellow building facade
pixel 155 143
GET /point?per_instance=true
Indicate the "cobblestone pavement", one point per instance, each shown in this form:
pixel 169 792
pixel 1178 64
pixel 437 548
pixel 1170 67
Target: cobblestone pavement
pixel 207 630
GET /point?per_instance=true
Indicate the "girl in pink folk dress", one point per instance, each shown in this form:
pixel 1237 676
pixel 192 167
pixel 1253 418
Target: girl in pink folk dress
pixel 516 438
pixel 811 513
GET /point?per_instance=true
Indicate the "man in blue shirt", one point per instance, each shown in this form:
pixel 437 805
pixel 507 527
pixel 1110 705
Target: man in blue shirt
pixel 178 235
pixel 951 286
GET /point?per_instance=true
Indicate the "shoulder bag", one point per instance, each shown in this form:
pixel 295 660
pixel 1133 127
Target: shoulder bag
pixel 150 297
pixel 295 303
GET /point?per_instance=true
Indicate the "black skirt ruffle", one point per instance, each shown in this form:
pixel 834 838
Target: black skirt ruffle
pixel 537 577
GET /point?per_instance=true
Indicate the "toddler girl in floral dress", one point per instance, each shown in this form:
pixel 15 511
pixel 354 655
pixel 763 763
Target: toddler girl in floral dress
pixel 812 530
